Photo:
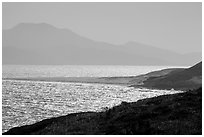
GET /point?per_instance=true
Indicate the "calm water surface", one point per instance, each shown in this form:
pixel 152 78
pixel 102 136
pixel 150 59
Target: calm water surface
pixel 10 71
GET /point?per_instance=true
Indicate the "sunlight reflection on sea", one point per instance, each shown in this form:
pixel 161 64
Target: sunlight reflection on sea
pixel 26 102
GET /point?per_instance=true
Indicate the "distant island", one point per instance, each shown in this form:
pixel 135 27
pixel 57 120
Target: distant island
pixel 166 115
pixel 44 44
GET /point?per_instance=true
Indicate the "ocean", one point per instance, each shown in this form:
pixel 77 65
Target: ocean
pixel 27 102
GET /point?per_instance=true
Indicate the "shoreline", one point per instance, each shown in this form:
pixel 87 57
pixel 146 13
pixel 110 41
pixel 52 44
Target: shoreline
pixel 179 113
pixel 120 80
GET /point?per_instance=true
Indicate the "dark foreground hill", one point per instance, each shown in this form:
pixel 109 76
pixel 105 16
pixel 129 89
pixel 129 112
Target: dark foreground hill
pixel 169 114
pixel 189 78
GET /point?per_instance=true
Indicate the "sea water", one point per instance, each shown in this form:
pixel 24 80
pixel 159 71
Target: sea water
pixel 27 102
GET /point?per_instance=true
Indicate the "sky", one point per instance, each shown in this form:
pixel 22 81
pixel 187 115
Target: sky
pixel 173 26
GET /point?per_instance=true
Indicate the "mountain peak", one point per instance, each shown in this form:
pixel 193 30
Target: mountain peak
pixel 33 25
pixel 62 46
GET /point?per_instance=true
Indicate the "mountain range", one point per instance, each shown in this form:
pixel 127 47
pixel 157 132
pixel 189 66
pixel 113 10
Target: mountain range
pixel 44 44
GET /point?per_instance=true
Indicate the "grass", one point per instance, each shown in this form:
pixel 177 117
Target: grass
pixel 189 78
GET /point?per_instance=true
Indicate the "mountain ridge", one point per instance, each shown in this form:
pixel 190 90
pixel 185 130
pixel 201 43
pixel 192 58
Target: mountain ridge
pixel 63 45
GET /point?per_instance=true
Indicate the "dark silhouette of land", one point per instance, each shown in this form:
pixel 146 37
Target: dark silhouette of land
pixel 178 114
pixel 43 44
pixel 183 79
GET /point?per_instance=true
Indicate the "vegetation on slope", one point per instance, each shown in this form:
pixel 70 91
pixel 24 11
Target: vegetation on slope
pixel 169 114
pixel 190 78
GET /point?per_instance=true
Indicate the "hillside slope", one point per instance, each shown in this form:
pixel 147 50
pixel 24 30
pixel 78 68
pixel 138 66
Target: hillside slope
pixel 177 114
pixel 189 78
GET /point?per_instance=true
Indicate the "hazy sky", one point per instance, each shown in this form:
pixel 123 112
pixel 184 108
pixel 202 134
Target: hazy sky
pixel 175 26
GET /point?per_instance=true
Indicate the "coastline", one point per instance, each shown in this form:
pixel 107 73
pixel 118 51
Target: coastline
pixel 151 80
pixel 179 113
pixel 125 81
pixel 109 122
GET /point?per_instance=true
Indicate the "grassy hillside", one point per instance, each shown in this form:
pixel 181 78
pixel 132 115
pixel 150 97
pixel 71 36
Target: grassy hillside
pixel 190 78
pixel 169 114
